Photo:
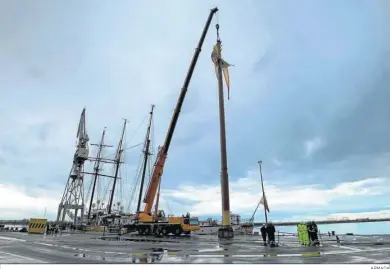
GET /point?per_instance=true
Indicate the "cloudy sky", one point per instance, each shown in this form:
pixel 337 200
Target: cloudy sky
pixel 309 95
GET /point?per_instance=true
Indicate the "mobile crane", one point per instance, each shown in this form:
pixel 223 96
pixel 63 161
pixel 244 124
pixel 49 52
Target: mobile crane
pixel 146 222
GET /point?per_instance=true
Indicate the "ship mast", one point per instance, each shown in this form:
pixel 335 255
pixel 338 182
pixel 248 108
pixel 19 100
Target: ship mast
pixel 98 160
pixel 118 158
pixel 226 230
pixel 97 168
pixel 146 155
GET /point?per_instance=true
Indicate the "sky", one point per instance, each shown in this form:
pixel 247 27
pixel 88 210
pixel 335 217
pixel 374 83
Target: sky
pixel 309 94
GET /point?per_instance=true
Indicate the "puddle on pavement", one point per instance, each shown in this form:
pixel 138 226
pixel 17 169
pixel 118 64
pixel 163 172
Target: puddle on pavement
pixel 222 252
pixel 134 239
pixel 154 256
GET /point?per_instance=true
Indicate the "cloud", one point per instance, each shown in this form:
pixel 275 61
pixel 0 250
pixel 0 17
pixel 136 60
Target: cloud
pixel 380 214
pixel 246 192
pixel 205 200
pixel 313 145
pixel 376 214
pixel 277 162
pixel 18 203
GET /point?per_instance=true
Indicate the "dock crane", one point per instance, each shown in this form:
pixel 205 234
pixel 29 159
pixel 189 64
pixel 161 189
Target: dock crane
pixel 146 222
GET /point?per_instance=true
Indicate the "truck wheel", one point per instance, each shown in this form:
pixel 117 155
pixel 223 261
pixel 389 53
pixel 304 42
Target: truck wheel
pixel 165 231
pixel 178 231
pixel 140 231
pixel 157 231
pixel 147 230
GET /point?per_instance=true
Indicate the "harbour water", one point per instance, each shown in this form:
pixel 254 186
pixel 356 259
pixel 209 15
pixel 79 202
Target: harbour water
pixel 355 228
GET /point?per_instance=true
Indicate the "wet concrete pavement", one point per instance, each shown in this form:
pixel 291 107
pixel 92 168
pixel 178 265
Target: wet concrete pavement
pixel 90 248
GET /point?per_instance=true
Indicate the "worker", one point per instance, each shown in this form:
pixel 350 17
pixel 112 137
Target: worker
pixel 304 236
pixel 310 233
pixel 263 231
pixel 301 234
pixel 271 234
pixel 337 239
pixel 314 233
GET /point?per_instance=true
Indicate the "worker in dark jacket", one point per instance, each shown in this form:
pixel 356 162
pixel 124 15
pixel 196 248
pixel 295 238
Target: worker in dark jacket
pixel 271 234
pixel 315 233
pixel 263 231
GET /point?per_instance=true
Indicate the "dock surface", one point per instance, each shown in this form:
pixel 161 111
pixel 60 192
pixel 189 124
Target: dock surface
pixel 17 247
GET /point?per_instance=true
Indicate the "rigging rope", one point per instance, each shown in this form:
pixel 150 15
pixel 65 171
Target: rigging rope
pixel 99 188
pixel 88 192
pixel 124 179
pixel 217 17
pixel 170 211
pixel 99 183
pixel 135 183
pixel 131 147
pixel 139 126
pixel 104 197
pixel 153 154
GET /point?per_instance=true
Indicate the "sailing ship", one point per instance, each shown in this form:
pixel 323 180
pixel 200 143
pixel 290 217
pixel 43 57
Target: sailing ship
pixel 105 211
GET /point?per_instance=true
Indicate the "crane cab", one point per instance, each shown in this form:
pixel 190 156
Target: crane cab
pixel 160 216
pixel 191 224
pixel 160 224
pixel 145 218
pixel 187 223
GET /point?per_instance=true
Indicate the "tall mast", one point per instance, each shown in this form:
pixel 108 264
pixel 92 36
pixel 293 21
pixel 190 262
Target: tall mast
pixel 117 164
pixel 146 155
pixel 96 169
pixel 226 230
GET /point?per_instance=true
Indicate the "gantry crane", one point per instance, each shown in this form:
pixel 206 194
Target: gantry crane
pixel 73 198
pixel 146 221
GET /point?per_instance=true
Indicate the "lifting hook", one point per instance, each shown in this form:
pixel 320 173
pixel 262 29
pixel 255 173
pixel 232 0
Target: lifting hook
pixel 217 27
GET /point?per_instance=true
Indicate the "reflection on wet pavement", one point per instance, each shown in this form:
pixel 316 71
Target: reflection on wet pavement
pixel 90 248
